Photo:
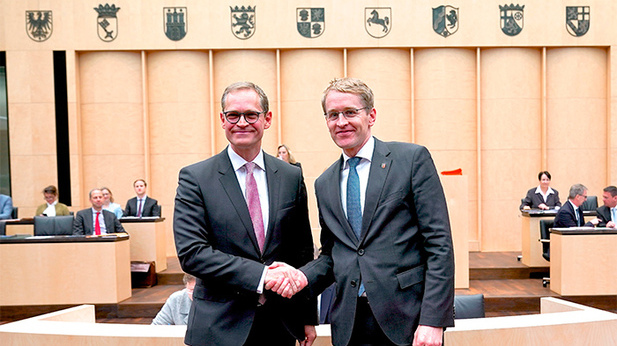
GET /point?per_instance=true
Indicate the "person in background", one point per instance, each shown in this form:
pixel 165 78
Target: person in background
pixel 6 207
pixel 285 154
pixel 95 220
pixel 607 214
pixel 141 205
pixel 52 207
pixel 543 196
pixel 176 308
pixel 570 214
pixel 108 202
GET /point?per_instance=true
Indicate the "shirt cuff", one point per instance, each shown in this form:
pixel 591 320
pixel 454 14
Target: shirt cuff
pixel 260 287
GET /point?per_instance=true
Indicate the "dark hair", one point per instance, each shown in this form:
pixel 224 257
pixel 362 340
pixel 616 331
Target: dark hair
pixel 611 189
pixel 548 175
pixel 51 189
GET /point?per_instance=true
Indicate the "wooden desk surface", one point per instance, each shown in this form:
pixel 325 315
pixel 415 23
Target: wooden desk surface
pixel 59 270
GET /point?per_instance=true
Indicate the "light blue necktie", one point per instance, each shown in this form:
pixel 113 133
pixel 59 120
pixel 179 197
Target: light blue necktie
pixel 354 209
pixel 613 216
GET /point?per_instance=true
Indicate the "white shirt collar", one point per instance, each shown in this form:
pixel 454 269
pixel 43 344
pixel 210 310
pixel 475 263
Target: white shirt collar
pixel 548 192
pixel 365 153
pixel 237 161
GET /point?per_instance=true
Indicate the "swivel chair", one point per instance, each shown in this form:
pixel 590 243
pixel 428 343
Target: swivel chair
pixel 590 204
pixel 469 306
pixel 53 225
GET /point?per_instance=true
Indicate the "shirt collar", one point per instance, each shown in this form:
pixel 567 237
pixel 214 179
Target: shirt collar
pixel 54 203
pixel 365 153
pixel 548 192
pixel 237 161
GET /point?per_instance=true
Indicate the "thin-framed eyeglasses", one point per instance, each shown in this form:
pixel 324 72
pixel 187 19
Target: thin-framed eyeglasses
pixel 250 117
pixel 349 113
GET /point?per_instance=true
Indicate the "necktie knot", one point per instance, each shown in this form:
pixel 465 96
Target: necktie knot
pixel 250 166
pixel 354 161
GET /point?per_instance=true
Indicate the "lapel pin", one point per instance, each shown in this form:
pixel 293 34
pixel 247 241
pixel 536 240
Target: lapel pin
pixel 383 165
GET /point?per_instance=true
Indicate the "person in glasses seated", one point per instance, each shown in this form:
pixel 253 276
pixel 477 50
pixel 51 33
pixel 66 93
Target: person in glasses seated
pixel 543 196
pixel 51 207
pixel 570 214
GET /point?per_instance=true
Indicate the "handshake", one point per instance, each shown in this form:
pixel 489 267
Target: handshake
pixel 284 279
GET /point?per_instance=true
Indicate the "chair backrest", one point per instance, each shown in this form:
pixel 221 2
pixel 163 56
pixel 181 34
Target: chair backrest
pixel 14 213
pixel 545 234
pixel 469 306
pixel 53 225
pixel 590 204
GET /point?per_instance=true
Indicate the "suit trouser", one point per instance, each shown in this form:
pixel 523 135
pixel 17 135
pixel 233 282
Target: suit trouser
pixel 366 330
pixel 268 329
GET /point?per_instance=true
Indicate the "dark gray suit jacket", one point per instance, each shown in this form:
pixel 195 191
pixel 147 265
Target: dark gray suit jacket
pixel 216 243
pixel 566 217
pixel 405 254
pixel 533 199
pixel 82 224
pixel 604 214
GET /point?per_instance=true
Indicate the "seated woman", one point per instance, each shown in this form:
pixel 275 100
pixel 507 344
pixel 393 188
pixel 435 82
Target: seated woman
pixel 52 207
pixel 541 197
pixel 108 202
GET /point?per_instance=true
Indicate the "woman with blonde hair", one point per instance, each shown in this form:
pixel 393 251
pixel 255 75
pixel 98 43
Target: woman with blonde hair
pixel 285 154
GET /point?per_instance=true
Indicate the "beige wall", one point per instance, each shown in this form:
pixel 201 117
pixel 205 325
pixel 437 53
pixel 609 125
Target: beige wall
pixel 501 108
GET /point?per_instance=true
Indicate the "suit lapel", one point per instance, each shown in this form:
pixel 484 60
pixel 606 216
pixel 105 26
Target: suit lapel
pixel 88 228
pixel 229 182
pixel 273 182
pixel 380 167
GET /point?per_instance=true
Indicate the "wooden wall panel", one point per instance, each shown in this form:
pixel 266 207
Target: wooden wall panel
pixel 180 122
pixel 511 114
pixel 32 126
pixel 445 113
pixel 112 131
pixel 304 75
pixel 577 113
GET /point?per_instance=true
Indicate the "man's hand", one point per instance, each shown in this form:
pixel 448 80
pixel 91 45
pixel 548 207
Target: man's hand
pixel 595 221
pixel 428 336
pixel 284 279
pixel 310 334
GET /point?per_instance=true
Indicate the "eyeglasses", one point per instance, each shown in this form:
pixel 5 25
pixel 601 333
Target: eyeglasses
pixel 584 196
pixel 347 113
pixel 250 117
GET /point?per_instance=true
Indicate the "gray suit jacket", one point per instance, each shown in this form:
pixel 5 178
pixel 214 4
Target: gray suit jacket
pixel 82 224
pixel 405 255
pixel 216 243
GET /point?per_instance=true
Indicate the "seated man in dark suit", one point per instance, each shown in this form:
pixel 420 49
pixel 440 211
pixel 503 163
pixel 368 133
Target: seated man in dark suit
pixel 607 214
pixel 570 213
pixel 141 205
pixel 95 220
pixel 6 207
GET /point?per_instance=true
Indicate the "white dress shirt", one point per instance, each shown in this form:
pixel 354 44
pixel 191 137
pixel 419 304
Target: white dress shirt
pixel 363 168
pixel 101 221
pixel 51 209
pixel 548 192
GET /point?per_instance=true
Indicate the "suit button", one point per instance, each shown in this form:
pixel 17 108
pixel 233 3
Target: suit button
pixel 354 283
pixel 361 252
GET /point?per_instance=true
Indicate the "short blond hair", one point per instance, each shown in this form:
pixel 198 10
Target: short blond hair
pixel 352 86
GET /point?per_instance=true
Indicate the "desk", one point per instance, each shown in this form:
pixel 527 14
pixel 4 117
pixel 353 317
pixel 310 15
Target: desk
pixel 147 240
pixel 64 270
pixel 20 226
pixel 531 247
pixel 583 261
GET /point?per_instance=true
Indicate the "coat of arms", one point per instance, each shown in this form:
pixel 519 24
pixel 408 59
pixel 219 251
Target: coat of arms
pixel 243 21
pixel 445 20
pixel 107 22
pixel 378 21
pixel 511 19
pixel 577 20
pixel 311 21
pixel 175 19
pixel 39 25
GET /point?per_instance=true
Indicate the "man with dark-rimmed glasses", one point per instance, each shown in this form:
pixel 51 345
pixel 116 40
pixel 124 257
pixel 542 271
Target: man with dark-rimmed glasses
pixel 238 216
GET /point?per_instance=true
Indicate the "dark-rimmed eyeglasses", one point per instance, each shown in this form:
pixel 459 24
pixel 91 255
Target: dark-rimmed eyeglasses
pixel 250 117
pixel 349 113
